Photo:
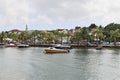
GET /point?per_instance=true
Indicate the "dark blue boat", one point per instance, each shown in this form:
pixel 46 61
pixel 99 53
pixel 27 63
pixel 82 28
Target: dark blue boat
pixel 63 47
pixel 99 47
pixel 22 46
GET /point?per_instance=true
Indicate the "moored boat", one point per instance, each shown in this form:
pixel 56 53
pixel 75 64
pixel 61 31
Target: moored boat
pixel 54 50
pixel 99 47
pixel 66 47
pixel 11 45
pixel 2 45
pixel 22 46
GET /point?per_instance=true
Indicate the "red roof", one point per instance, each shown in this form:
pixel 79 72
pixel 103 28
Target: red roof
pixel 15 30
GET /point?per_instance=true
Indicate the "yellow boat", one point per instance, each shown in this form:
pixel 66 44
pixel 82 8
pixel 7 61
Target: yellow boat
pixel 54 50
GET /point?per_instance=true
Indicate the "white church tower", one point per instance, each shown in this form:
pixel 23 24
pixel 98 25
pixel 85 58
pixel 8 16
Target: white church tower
pixel 26 28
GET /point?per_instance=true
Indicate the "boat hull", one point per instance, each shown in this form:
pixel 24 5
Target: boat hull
pixel 63 47
pixel 2 45
pixel 23 46
pixel 47 50
pixel 11 45
pixel 98 48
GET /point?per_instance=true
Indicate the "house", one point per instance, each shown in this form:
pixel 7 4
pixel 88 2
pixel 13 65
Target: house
pixel 15 31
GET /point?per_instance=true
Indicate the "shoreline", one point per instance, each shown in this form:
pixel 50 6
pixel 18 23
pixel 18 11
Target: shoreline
pixel 75 46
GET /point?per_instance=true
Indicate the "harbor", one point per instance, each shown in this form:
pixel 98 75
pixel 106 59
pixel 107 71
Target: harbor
pixel 59 40
pixel 79 64
pixel 75 46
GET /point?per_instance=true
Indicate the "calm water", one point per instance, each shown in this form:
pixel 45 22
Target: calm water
pixel 79 64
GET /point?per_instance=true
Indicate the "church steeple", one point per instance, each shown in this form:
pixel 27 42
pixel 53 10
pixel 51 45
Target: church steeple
pixel 26 28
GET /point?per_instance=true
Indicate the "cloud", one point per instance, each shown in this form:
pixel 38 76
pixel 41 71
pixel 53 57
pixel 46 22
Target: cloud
pixel 77 9
pixel 47 12
pixel 11 11
pixel 62 9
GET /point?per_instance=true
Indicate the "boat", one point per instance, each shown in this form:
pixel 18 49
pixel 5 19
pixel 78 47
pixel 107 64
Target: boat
pixel 11 45
pixel 66 47
pixel 22 46
pixel 54 50
pixel 99 47
pixel 2 45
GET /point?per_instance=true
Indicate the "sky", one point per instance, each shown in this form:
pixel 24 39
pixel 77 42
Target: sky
pixel 54 14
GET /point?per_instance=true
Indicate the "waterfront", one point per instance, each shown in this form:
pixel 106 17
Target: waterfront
pixel 80 64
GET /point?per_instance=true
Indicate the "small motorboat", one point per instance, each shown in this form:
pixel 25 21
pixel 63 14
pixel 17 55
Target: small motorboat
pixel 11 45
pixel 54 50
pixel 22 46
pixel 2 45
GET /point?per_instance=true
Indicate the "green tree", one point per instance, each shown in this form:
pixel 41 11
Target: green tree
pixel 112 26
pixel 85 33
pixel 92 26
pixel 43 36
pixel 68 35
pixel 56 34
pixel 77 36
pixel 14 36
pixel 61 35
pixel 98 34
pixel 23 37
pixel 35 35
pixel 114 35
pixel 3 36
pixel 50 37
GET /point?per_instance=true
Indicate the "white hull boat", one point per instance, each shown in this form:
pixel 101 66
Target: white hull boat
pixel 54 50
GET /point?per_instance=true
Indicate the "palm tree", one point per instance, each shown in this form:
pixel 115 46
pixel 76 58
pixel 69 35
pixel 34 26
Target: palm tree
pixel 85 35
pixel 61 35
pixel 35 35
pixel 56 33
pixel 68 37
pixel 98 34
pixel 23 36
pixel 3 36
pixel 77 36
pixel 14 36
pixel 114 35
pixel 50 37
pixel 42 36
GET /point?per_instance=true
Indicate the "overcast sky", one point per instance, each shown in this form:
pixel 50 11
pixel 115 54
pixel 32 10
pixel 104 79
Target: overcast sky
pixel 53 14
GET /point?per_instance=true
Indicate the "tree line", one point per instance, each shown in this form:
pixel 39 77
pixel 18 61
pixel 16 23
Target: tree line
pixel 92 33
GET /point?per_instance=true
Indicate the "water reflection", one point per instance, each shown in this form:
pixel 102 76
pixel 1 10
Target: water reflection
pixel 100 63
pixel 79 64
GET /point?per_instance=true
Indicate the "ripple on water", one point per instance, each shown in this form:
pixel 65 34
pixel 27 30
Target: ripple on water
pixel 79 64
